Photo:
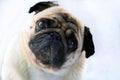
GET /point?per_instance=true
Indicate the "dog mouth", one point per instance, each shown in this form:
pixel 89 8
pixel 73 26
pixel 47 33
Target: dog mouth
pixel 48 49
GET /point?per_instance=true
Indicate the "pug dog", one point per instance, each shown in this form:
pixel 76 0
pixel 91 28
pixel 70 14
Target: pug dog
pixel 54 46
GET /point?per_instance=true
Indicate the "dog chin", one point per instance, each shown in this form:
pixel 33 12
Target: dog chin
pixel 48 69
pixel 72 59
pixel 55 71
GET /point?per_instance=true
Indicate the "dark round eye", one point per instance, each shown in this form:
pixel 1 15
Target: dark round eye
pixel 45 23
pixel 71 41
pixel 40 25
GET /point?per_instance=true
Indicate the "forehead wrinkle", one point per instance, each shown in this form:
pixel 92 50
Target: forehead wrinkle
pixel 52 12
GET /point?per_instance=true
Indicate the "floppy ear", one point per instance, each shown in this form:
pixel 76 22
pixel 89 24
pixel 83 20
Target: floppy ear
pixel 41 6
pixel 88 44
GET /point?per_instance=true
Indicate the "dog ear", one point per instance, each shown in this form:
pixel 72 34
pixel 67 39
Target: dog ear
pixel 88 44
pixel 41 6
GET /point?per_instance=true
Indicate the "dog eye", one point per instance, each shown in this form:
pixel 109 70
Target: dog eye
pixel 40 25
pixel 45 23
pixel 71 41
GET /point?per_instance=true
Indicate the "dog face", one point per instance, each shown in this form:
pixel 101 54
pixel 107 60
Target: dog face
pixel 56 38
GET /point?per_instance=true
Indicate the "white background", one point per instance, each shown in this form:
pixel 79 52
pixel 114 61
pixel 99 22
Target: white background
pixel 101 16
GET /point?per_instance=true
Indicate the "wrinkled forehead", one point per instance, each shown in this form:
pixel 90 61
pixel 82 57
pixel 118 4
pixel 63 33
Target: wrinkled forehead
pixel 55 12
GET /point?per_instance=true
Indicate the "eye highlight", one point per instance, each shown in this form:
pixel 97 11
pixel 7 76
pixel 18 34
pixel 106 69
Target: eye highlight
pixel 71 41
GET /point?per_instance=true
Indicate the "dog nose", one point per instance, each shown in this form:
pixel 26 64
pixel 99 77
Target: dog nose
pixel 55 36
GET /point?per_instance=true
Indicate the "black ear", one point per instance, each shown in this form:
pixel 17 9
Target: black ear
pixel 88 44
pixel 42 5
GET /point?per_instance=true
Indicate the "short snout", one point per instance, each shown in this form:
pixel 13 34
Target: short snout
pixel 48 48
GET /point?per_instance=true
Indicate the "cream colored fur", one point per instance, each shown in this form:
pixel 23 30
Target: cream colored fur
pixel 16 67
pixel 17 64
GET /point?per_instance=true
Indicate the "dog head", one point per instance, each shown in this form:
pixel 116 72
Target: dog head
pixel 56 38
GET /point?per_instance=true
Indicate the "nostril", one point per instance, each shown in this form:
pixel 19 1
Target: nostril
pixel 55 36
